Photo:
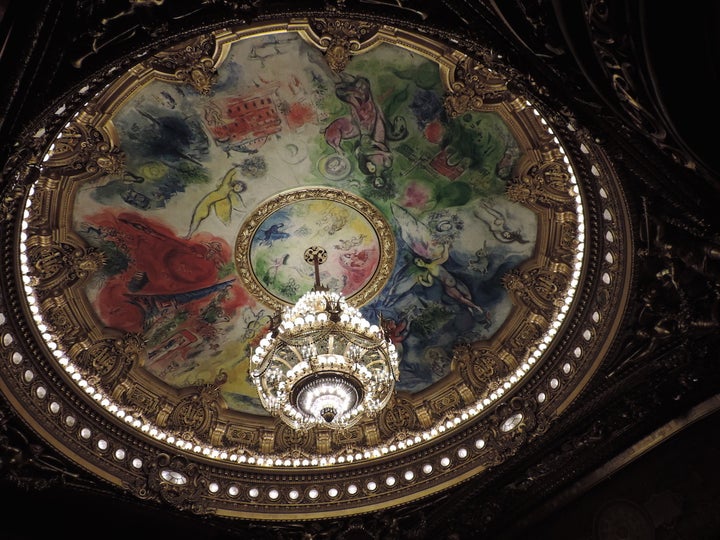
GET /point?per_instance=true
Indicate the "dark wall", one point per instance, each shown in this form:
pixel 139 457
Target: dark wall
pixel 671 492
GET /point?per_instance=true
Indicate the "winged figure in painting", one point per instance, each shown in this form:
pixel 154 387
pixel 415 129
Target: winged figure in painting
pixel 430 255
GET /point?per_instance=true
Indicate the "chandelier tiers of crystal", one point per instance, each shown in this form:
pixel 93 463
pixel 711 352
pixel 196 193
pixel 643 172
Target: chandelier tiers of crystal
pixel 322 363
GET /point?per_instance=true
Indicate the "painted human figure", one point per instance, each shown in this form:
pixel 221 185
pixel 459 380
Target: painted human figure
pixel 222 200
pixel 367 126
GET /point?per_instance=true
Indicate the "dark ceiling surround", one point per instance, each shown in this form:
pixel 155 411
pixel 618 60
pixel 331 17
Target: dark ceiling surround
pixel 646 67
pixel 604 74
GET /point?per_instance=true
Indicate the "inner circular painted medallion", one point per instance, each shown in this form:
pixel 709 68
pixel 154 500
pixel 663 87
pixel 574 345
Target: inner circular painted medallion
pixel 271 245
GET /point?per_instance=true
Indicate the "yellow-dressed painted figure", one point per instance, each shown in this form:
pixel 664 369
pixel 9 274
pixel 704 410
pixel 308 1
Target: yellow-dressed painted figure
pixel 221 200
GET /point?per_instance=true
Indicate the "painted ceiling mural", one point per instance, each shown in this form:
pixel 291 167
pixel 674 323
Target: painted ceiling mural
pixel 434 243
pixel 167 222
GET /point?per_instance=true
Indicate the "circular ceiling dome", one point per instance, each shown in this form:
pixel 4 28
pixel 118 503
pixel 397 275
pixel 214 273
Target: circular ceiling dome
pixel 168 220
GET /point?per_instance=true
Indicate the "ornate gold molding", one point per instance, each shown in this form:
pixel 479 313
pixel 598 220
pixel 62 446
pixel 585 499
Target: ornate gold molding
pixel 84 153
pixel 340 39
pixel 473 88
pixel 191 63
pixel 55 266
pixel 545 184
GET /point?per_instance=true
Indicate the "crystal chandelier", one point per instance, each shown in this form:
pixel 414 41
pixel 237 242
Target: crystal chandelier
pixel 322 362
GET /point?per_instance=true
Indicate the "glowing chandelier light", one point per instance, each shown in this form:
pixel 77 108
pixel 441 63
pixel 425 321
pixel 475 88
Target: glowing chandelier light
pixel 322 362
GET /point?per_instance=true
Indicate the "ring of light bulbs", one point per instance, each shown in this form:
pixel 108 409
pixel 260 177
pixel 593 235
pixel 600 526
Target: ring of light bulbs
pixel 242 456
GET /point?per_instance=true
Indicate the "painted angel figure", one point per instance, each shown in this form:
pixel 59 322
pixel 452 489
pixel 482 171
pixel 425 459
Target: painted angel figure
pixel 221 200
pixel 431 256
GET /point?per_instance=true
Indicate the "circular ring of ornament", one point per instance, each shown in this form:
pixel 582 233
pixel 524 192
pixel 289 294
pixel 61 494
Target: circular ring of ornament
pixel 128 337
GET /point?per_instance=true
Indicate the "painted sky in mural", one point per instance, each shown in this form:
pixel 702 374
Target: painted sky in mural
pixel 280 119
pixel 277 251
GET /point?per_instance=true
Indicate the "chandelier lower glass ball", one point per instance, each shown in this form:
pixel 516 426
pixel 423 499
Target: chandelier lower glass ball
pixel 322 363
